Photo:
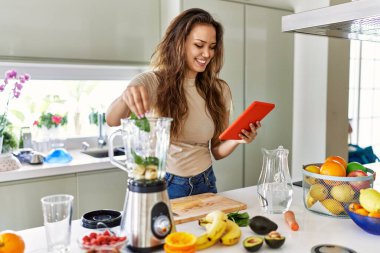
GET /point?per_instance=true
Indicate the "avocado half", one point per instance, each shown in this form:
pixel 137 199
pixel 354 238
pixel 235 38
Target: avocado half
pixel 274 242
pixel 252 243
pixel 262 225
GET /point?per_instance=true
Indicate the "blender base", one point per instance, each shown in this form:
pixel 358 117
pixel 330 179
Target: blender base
pixel 145 250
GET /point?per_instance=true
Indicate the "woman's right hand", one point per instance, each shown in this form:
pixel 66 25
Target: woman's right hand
pixel 136 98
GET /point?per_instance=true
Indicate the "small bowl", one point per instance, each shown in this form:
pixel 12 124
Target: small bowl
pixel 369 224
pixel 117 247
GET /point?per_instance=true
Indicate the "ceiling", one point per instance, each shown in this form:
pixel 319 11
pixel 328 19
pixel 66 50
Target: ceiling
pixel 291 5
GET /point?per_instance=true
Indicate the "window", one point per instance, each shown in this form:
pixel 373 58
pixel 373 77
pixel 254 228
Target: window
pixel 72 90
pixel 364 100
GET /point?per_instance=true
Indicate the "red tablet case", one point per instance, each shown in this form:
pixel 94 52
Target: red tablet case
pixel 255 112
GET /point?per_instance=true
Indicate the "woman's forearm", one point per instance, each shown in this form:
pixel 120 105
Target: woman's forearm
pixel 224 149
pixel 116 111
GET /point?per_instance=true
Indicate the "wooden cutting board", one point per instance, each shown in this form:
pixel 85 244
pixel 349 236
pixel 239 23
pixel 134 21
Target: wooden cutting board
pixel 197 206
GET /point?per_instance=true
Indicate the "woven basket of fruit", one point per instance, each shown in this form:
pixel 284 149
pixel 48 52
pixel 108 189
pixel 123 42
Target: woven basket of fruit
pixel 330 186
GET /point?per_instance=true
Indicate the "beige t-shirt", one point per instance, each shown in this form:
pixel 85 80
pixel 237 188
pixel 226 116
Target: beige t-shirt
pixel 189 153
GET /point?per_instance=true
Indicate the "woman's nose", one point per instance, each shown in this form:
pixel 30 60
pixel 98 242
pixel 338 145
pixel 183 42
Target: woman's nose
pixel 206 52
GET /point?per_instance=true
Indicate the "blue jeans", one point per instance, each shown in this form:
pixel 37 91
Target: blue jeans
pixel 185 186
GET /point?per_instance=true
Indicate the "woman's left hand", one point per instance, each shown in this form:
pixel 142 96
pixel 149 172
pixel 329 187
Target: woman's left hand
pixel 249 136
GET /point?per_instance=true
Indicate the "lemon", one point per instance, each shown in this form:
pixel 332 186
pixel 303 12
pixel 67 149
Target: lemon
pixel 342 193
pixel 312 169
pixel 309 201
pixel 333 206
pixel 318 192
pixel 310 180
pixel 370 199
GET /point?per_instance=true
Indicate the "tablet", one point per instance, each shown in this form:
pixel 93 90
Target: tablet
pixel 255 112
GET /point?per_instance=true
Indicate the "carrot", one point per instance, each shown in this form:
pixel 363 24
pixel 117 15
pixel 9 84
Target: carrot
pixel 291 220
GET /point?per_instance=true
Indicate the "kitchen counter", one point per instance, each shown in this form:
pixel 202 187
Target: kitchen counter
pixel 80 163
pixel 314 229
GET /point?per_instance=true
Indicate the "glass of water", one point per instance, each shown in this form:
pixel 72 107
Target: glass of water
pixel 57 211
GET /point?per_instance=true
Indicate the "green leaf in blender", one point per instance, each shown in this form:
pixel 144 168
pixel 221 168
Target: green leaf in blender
pixel 138 159
pixel 142 123
pixel 151 160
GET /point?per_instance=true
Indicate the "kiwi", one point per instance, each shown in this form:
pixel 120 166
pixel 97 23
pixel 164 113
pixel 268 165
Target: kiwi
pixel 262 225
pixel 252 243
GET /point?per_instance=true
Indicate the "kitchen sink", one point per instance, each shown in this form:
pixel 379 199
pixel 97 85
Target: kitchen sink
pixel 100 153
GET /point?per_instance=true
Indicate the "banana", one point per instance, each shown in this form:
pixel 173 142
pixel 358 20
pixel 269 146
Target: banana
pixel 204 242
pixel 232 234
pixel 215 224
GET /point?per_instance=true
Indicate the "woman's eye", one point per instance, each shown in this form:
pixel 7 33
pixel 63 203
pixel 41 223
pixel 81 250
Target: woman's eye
pixel 198 46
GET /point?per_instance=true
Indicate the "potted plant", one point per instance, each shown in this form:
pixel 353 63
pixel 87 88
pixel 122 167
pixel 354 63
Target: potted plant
pixel 10 89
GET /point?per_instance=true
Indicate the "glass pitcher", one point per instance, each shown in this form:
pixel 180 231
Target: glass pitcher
pixel 146 143
pixel 275 187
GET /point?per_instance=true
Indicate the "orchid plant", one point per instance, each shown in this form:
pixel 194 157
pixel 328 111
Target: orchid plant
pixel 11 92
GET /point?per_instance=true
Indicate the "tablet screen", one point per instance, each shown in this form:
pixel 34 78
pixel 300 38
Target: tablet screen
pixel 255 112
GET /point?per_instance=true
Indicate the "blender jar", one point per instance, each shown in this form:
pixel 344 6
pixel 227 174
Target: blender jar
pixel 146 143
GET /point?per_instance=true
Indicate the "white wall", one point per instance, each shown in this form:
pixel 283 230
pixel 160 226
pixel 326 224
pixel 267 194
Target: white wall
pixel 309 104
pixel 320 106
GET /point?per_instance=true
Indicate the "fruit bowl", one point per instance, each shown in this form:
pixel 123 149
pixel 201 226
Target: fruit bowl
pixel 369 224
pixel 328 195
pixel 102 242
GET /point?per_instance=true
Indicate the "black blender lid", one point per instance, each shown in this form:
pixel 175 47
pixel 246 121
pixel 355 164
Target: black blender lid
pixel 101 219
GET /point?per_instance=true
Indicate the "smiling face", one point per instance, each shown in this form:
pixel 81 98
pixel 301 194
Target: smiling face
pixel 200 48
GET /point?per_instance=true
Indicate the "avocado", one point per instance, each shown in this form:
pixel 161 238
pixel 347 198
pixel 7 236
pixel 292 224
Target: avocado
pixel 274 240
pixel 252 243
pixel 262 225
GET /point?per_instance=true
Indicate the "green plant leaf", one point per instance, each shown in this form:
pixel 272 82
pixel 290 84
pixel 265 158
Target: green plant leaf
pixel 138 159
pixel 142 123
pixel 152 160
pixel 18 114
pixel 242 219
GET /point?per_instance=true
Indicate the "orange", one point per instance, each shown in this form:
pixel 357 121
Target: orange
pixel 338 159
pixel 169 250
pixel 312 169
pixel 361 211
pixel 374 214
pixel 180 241
pixel 333 168
pixel 354 206
pixel 11 243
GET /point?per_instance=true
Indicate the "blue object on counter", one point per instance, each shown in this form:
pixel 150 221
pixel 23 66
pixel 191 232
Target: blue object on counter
pixel 58 155
pixel 369 224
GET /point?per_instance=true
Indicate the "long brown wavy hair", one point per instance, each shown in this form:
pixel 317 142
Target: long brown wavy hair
pixel 170 68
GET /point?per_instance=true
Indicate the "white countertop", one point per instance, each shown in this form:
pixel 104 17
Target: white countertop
pixel 80 163
pixel 314 229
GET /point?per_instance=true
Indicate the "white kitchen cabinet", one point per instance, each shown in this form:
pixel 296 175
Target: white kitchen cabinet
pixel 87 30
pixel 268 77
pixel 229 171
pixel 20 205
pixel 101 190
pixel 258 66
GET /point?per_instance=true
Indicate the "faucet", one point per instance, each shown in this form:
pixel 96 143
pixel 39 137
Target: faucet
pixel 101 138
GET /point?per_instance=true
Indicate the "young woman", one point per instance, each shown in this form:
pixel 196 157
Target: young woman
pixel 185 86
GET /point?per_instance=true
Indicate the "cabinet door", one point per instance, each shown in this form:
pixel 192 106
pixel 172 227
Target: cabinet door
pixel 21 200
pixel 269 77
pixel 229 171
pixel 115 30
pixel 101 190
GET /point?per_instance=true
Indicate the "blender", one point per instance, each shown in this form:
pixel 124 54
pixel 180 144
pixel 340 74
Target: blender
pixel 147 217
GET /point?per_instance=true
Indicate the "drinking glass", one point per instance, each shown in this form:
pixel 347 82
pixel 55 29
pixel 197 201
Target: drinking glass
pixel 57 211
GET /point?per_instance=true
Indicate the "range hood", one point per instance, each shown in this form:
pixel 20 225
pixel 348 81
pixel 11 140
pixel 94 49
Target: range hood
pixel 353 20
